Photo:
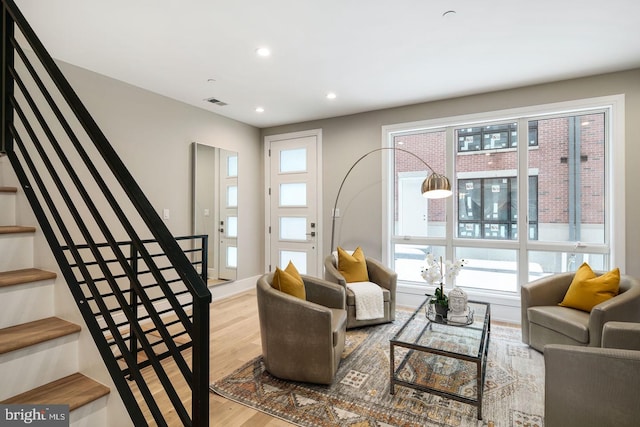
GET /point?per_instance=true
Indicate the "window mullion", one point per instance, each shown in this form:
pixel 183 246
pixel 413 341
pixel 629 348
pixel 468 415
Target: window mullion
pixel 523 201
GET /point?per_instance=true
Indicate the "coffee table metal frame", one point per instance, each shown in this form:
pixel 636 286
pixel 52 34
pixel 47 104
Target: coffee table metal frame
pixel 480 359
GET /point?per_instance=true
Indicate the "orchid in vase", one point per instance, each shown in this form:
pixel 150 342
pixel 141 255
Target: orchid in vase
pixel 435 272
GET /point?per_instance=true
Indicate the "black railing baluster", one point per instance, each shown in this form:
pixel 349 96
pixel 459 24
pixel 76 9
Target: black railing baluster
pixel 133 298
pixel 205 258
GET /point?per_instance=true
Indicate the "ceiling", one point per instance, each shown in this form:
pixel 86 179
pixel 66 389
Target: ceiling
pixel 372 54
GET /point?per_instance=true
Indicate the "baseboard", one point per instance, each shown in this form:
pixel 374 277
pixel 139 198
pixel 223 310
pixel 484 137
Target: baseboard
pixel 227 290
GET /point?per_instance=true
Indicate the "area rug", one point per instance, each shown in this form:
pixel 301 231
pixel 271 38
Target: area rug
pixel 359 396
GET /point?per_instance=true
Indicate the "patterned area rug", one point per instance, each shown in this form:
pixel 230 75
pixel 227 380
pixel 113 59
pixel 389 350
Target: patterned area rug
pixel 359 396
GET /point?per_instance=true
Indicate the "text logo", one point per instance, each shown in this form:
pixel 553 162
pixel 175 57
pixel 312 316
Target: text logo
pixel 34 415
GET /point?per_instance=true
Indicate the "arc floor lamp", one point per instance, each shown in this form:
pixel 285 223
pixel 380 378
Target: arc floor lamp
pixel 435 186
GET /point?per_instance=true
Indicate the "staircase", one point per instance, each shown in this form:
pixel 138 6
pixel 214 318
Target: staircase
pixel 38 351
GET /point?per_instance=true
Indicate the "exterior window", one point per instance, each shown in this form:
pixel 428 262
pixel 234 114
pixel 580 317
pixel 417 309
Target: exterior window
pixel 488 208
pixel 492 137
pixel 555 219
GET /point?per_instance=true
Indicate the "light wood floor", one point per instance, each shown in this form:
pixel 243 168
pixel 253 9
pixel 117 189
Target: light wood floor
pixel 235 339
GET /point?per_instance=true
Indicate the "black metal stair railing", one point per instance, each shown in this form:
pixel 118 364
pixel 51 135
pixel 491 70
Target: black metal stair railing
pixel 136 286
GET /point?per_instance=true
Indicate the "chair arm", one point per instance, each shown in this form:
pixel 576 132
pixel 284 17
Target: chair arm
pixel 549 290
pixel 624 307
pixel 332 274
pixel 587 386
pixel 381 275
pixel 623 335
pixel 324 293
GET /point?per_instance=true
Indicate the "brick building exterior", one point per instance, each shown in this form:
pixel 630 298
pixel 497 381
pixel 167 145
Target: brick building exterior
pixel 571 201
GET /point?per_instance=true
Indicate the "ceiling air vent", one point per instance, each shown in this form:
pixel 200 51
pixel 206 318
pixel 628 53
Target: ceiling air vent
pixel 216 102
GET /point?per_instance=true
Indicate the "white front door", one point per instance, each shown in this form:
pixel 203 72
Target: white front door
pixel 293 201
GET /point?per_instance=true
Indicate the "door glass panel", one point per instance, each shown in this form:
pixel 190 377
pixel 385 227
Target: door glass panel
pixel 232 196
pixel 293 160
pixel 299 259
pixel 232 226
pixel 293 194
pixel 232 166
pixel 571 162
pixel 293 228
pixel 232 257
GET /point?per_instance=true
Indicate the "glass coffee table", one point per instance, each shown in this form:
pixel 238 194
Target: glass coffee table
pixel 441 358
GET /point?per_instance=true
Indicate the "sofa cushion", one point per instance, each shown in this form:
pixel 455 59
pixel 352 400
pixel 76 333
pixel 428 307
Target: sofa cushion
pixel 289 281
pixel 588 290
pixel 353 267
pixel 567 321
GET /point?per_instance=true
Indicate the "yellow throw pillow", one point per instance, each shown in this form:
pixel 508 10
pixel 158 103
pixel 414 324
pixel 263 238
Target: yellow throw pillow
pixel 289 281
pixel 588 290
pixel 353 267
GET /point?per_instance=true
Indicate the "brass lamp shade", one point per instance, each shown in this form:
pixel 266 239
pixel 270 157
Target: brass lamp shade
pixel 436 186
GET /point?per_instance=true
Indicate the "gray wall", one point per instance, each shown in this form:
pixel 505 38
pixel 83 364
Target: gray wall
pixel 153 136
pixel 346 138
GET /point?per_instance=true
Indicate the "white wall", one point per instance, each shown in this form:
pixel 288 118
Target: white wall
pixel 152 134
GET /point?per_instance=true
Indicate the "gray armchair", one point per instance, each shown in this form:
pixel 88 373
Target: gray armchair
pixel 378 274
pixel 302 340
pixel 594 387
pixel 545 322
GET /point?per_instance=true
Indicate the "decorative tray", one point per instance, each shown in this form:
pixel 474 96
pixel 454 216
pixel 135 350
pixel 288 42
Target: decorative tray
pixel 438 318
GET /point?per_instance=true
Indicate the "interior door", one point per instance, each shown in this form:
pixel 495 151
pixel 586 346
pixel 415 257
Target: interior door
pixel 228 217
pixel 293 201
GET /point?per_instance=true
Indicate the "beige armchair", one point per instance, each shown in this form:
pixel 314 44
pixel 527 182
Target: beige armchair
pixel 594 387
pixel 379 275
pixel 302 340
pixel 545 322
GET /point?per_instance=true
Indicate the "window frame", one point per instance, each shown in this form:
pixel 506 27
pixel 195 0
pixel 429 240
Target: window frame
pixel 614 183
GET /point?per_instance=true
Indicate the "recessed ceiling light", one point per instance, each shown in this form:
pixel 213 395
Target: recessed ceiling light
pixel 259 110
pixel 263 51
pixel 331 95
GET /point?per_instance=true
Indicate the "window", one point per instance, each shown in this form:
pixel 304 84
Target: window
pixel 493 137
pixel 566 161
pixel 488 208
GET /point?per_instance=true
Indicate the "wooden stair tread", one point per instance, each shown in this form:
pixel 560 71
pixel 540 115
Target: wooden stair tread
pixel 75 390
pixel 8 189
pixel 13 229
pixel 25 275
pixel 26 334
